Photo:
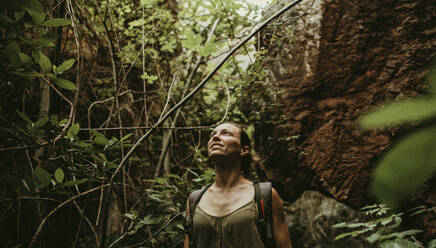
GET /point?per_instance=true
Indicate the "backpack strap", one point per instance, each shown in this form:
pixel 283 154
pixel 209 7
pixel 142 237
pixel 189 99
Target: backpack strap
pixel 263 197
pixel 193 200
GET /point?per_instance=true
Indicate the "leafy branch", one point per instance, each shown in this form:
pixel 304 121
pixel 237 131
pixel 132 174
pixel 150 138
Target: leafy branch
pixel 185 99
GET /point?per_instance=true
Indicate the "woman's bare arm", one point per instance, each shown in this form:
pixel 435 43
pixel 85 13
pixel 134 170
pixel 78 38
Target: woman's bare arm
pixel 281 234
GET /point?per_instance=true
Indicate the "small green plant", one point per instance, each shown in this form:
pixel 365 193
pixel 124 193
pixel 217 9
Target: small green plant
pixel 167 201
pixel 383 229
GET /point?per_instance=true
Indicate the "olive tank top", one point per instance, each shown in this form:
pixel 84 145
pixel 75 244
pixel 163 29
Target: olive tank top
pixel 235 230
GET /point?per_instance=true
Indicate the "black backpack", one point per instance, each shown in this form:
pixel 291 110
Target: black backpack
pixel 263 198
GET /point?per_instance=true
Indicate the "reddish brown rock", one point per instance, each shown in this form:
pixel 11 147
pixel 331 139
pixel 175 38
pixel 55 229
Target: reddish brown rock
pixel 324 70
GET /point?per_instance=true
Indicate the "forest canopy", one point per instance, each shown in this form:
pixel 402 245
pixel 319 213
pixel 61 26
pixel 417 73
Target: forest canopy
pixel 98 151
pixel 81 82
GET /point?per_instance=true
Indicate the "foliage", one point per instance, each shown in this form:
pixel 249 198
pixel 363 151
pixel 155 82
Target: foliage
pixel 75 75
pixel 26 61
pixel 411 159
pixel 168 196
pixel 383 229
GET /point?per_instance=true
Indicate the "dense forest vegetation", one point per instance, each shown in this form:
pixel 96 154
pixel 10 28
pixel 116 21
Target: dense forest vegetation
pixel 98 151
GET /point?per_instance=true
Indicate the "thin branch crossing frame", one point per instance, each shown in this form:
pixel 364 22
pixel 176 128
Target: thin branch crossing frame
pixel 181 104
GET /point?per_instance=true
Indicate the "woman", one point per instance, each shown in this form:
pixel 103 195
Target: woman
pixel 226 213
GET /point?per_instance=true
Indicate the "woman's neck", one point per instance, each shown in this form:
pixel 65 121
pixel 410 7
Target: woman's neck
pixel 228 175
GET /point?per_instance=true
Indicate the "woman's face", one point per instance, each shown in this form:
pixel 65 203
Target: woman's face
pixel 224 141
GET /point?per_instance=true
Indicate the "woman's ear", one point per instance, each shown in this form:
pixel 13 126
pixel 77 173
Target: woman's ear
pixel 245 151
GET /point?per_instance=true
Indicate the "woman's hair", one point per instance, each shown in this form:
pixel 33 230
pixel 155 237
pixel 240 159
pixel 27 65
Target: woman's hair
pixel 245 141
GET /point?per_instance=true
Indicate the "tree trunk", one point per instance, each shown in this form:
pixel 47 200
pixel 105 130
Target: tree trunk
pixel 324 70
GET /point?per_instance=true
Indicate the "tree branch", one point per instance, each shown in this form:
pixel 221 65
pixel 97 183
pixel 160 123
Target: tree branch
pixel 201 84
pixel 185 99
pixel 41 225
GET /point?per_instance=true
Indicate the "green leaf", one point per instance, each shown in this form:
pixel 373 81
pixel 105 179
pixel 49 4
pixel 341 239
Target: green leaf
pixel 150 78
pixel 126 137
pixel 25 59
pixel 373 238
pixel 192 41
pixel 24 117
pixel 6 20
pixel 47 40
pixel 43 176
pixel 386 221
pixel 432 244
pixel 59 175
pixel 73 183
pixel 408 233
pixel 66 65
pixel 103 156
pixel 132 216
pixel 101 140
pixel 12 51
pixel 370 207
pixel 19 15
pixel 170 175
pixel 412 160
pixel 148 220
pixel 44 63
pixel 339 225
pixel 63 83
pixel 63 122
pixel 57 22
pixel 210 47
pixel 418 212
pixel 399 243
pixel 400 112
pixel 50 75
pixel 41 122
pixel 109 165
pixel 42 60
pixel 35 10
pixel 148 3
pixel 37 17
pixel 343 235
pixel 73 130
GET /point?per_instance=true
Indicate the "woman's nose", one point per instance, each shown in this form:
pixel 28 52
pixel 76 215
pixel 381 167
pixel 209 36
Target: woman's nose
pixel 215 137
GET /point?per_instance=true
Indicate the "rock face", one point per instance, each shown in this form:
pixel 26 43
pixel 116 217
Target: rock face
pixel 310 221
pixel 324 70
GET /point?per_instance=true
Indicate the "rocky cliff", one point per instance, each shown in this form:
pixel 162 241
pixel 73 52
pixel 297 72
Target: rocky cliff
pixel 324 69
